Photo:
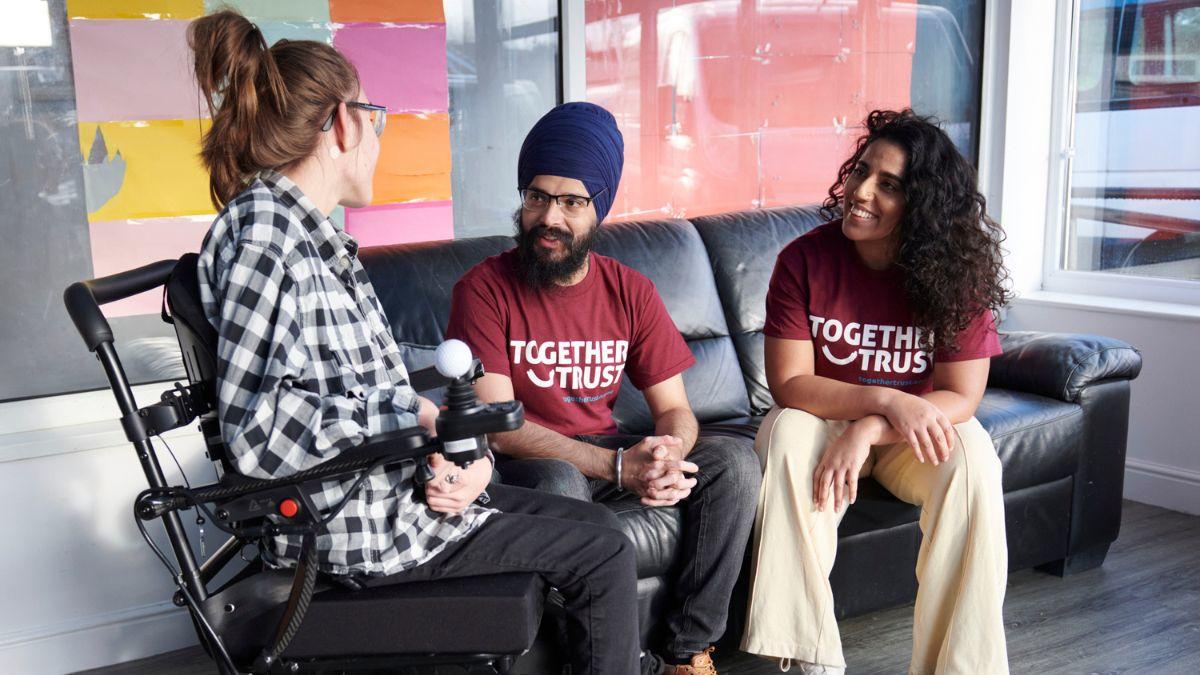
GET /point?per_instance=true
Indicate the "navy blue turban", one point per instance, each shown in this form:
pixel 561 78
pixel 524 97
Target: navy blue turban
pixel 580 141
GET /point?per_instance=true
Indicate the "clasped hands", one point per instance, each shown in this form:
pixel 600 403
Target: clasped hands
pixel 656 471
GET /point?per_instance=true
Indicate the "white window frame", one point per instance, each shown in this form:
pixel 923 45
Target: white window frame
pixel 1054 277
pixel 572 50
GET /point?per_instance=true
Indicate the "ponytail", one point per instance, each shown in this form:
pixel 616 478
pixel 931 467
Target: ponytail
pixel 267 103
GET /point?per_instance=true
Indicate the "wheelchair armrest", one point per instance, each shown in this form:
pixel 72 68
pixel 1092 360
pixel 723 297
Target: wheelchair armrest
pixel 393 446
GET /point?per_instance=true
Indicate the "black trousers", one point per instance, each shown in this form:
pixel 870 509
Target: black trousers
pixel 575 547
pixel 718 518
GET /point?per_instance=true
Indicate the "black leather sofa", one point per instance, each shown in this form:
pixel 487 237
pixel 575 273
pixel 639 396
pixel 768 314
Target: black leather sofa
pixel 1057 406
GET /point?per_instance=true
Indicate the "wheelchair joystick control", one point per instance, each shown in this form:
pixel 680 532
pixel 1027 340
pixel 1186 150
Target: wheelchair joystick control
pixel 460 444
pixel 464 422
pixel 424 474
pixel 453 359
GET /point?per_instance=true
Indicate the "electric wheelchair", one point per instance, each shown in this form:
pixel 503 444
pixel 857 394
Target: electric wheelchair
pixel 266 620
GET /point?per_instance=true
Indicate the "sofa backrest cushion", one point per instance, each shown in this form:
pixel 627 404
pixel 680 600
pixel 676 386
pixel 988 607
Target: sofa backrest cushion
pixel 414 283
pixel 742 247
pixel 671 254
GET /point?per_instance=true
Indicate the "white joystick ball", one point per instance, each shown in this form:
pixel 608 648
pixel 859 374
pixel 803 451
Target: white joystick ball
pixel 453 358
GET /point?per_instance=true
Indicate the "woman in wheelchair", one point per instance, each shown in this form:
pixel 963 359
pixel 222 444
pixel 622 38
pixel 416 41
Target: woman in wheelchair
pixel 308 368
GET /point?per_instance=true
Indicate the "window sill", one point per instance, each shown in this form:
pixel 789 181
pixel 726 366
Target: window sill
pixel 1110 305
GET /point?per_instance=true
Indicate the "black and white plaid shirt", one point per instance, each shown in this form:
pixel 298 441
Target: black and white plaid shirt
pixel 307 368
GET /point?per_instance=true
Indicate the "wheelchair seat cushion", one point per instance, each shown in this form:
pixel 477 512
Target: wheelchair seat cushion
pixel 496 614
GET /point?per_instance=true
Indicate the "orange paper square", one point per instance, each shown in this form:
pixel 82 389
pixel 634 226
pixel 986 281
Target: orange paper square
pixel 390 11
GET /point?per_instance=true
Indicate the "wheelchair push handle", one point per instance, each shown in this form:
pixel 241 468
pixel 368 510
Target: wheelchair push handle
pixel 83 298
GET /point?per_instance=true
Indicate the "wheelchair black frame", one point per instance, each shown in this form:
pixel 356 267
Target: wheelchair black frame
pixel 83 300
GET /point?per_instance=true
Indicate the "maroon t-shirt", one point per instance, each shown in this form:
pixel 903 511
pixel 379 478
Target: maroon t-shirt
pixel 565 347
pixel 858 318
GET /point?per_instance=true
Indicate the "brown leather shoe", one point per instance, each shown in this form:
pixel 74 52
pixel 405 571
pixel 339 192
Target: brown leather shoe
pixel 701 664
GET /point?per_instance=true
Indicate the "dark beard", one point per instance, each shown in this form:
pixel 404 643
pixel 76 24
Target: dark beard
pixel 540 272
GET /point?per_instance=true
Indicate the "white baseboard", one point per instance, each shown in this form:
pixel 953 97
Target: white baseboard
pixel 1161 485
pixel 96 641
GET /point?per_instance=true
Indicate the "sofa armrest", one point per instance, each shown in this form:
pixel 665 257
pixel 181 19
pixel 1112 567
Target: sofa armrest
pixel 1061 365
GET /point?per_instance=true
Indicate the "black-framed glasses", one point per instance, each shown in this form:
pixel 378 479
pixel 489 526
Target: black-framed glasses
pixel 533 199
pixel 378 116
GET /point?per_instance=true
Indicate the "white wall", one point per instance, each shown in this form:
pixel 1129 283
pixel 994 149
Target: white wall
pixel 80 588
pixel 1020 157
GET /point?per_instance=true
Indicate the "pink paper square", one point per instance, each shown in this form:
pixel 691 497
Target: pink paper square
pixel 402 66
pixel 401 223
pixel 129 70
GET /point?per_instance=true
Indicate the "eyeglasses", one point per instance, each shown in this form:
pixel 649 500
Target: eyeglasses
pixel 378 116
pixel 572 205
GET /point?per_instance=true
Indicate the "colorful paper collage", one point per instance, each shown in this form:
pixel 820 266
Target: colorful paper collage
pixel 141 120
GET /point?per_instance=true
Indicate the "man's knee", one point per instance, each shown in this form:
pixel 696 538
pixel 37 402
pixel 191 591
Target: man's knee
pixel 622 558
pixel 744 465
pixel 732 462
pixel 602 515
pixel 552 476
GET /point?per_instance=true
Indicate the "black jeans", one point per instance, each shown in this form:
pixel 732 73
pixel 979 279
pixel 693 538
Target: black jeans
pixel 718 517
pixel 576 549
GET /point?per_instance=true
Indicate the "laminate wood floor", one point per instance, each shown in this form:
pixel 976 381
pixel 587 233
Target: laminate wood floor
pixel 1139 613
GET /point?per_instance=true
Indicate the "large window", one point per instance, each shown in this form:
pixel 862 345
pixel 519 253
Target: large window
pixel 728 105
pixel 503 62
pixel 43 219
pixel 76 128
pixel 1132 197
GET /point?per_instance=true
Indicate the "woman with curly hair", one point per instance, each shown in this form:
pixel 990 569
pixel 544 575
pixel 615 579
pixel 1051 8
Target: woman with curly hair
pixel 879 332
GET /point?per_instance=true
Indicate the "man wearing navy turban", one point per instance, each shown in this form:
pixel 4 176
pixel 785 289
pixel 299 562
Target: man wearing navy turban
pixel 556 326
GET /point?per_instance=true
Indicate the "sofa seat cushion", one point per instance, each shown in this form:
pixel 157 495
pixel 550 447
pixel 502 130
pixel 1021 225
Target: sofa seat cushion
pixel 656 532
pixel 1036 437
pixel 876 509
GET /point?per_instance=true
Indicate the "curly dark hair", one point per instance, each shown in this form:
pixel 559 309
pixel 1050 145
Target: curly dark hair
pixel 949 247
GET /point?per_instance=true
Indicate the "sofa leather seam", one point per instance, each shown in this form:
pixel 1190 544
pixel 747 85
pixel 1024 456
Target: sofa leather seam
pixel 1080 362
pixel 1039 425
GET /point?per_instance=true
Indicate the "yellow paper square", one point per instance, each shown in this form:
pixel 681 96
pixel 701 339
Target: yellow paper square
pixel 134 9
pixel 158 166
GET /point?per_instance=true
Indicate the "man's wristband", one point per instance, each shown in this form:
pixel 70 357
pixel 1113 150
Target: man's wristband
pixel 619 459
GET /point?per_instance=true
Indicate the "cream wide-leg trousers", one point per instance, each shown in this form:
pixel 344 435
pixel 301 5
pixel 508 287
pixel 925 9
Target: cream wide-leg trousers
pixel 962 566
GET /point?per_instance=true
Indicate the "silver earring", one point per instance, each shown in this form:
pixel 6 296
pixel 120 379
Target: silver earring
pixel 334 152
